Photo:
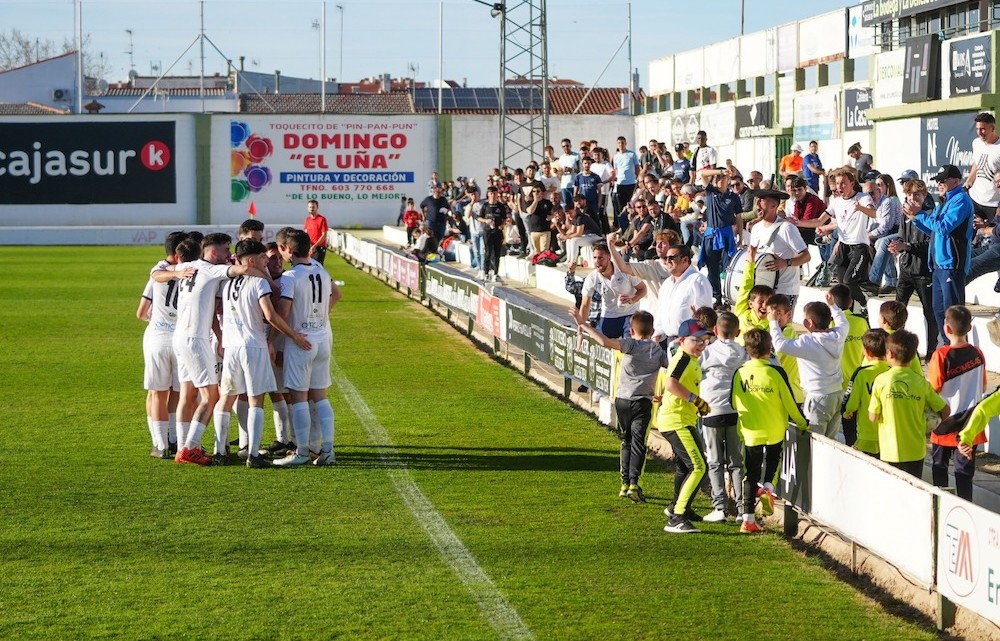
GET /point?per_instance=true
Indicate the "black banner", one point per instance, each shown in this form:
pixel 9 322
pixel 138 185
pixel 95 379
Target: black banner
pixel 922 69
pixel 79 163
pixel 562 341
pixel 946 140
pixel 969 66
pixel 528 331
pixel 795 469
pixel 755 119
pixel 459 294
pixel 856 103
pixel 602 362
pixel 874 12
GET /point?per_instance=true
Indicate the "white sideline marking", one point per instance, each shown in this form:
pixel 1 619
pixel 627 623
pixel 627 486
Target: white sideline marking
pixel 498 611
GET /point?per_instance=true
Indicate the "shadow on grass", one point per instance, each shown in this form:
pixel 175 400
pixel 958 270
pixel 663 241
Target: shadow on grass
pixel 476 459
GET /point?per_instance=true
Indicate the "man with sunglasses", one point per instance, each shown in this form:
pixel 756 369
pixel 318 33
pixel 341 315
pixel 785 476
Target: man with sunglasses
pixel 681 293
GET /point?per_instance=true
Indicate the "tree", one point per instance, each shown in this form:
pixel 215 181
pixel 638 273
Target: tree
pixel 18 49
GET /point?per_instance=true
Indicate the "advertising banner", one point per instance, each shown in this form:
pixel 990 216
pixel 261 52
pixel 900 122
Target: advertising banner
pixel 458 293
pixel 968 64
pixel 404 271
pixel 602 363
pixel 488 313
pixel 947 139
pixel 82 163
pixel 795 472
pixel 822 38
pixel 755 119
pixel 528 331
pixel 357 167
pixel 683 127
pixel 883 509
pixel 720 124
pixel 860 38
pixel 856 103
pixel 876 11
pixel 562 341
pixel 817 116
pixel 968 556
pixel 888 90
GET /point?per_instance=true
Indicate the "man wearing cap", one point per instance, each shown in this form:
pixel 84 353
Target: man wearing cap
pixel 791 163
pixel 950 229
pixel 682 166
pixel 812 166
pixel 777 237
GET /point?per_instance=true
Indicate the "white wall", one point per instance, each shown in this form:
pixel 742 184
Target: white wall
pixel 896 145
pixel 475 140
pixel 36 82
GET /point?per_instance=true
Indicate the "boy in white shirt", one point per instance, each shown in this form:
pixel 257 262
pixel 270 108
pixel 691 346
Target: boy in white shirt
pixel 818 352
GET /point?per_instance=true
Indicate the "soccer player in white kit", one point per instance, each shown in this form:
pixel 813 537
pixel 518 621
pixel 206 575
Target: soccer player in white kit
pixel 246 368
pixel 158 307
pixel 307 295
pixel 196 305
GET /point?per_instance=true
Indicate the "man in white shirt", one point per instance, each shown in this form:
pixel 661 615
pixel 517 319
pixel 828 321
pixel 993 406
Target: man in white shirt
pixel 683 292
pixel 771 235
pixel 196 320
pixel 620 293
pixel 307 296
pixel 704 158
pixel 850 211
pixel 246 368
pixel 653 271
pixel 569 166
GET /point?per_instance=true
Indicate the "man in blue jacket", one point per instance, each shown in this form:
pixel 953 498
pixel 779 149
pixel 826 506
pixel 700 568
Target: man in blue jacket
pixel 950 229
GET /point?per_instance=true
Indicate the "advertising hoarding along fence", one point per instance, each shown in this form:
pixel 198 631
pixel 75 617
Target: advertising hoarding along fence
pixel 357 167
pixel 969 62
pixel 45 163
pixel 968 556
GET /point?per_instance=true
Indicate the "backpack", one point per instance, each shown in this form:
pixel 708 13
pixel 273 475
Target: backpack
pixel 548 256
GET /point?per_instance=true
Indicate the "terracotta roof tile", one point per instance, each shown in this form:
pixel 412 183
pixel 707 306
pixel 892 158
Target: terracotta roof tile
pixel 383 104
pixel 29 109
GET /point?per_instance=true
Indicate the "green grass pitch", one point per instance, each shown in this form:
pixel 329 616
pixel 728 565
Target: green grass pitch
pixel 98 541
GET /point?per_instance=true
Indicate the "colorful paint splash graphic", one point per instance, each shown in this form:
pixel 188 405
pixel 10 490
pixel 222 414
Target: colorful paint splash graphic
pixel 246 161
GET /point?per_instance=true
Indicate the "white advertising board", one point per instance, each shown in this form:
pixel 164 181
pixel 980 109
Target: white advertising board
pixel 357 167
pixel 788 46
pixel 884 510
pixel 968 562
pixel 722 62
pixel 860 39
pixel 822 38
pixel 888 79
pixel 661 76
pixel 720 124
pixel 758 53
pixel 689 70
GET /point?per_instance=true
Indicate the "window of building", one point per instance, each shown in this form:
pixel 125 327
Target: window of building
pixel 811 77
pixel 861 70
pixel 768 85
pixel 835 72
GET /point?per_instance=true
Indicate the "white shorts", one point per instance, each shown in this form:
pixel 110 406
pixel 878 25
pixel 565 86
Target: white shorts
pixel 196 361
pixel 246 370
pixel 160 372
pixel 308 370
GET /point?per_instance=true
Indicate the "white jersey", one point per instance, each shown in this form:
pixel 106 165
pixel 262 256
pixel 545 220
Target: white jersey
pixel 852 224
pixel 620 284
pixel 243 323
pixel 986 166
pixel 163 304
pixel 196 302
pixel 784 242
pixel 308 286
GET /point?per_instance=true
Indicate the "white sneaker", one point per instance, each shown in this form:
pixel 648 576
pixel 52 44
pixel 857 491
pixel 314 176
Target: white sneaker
pixel 715 516
pixel 481 275
pixel 292 460
pixel 324 459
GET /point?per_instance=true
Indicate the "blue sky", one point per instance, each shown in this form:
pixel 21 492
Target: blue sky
pixel 387 36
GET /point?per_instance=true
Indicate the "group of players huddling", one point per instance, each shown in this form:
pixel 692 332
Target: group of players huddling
pixel 224 331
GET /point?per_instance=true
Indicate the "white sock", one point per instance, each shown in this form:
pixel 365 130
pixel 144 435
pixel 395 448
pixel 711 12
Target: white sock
pixel 194 435
pixel 326 422
pixel 280 421
pixel 160 434
pixel 171 428
pixel 242 407
pixel 255 428
pixel 183 427
pixel 301 423
pixel 221 431
pixel 315 437
pixel 152 431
